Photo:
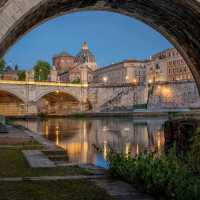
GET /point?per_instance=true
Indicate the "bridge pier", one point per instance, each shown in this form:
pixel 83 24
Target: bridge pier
pixel 31 108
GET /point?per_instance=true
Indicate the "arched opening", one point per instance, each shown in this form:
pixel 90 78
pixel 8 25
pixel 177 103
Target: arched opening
pixel 58 104
pixel 11 105
pixel 177 20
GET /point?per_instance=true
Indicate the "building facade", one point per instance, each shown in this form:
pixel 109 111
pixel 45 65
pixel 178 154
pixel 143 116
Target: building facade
pixel 10 73
pixel 170 66
pixel 68 67
pixel 128 71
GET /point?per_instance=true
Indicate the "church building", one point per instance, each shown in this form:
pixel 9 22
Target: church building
pixel 68 67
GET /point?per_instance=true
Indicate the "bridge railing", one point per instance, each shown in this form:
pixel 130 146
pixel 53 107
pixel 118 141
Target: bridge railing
pixel 42 83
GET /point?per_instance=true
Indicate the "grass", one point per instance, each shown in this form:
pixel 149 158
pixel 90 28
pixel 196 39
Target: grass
pixel 52 190
pixel 14 164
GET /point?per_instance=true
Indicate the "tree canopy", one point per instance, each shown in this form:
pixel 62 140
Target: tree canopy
pixel 2 65
pixel 22 75
pixel 42 70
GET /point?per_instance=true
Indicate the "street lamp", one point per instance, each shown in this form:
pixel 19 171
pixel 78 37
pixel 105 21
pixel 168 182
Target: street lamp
pixel 134 81
pixel 40 70
pixel 105 79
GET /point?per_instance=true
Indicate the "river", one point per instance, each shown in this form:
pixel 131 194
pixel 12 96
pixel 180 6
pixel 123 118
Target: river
pixel 88 140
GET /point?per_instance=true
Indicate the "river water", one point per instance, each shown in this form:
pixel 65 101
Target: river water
pixel 88 140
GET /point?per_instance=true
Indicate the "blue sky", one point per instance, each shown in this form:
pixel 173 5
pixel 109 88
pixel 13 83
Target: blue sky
pixel 112 37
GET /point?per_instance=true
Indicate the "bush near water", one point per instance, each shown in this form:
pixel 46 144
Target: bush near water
pixel 172 175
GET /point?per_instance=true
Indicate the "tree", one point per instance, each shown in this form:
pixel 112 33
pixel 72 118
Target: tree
pixel 22 75
pixel 2 65
pixel 76 81
pixel 42 70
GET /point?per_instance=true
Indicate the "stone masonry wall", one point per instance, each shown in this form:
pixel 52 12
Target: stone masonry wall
pixel 174 95
pixel 117 98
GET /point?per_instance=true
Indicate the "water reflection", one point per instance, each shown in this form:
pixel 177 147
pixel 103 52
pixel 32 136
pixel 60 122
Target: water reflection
pixel 88 141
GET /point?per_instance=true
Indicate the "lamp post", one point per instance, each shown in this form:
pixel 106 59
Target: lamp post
pixel 40 70
pixel 105 79
pixel 127 79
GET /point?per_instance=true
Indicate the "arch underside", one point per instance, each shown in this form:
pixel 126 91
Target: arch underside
pixel 58 103
pixel 10 104
pixel 177 20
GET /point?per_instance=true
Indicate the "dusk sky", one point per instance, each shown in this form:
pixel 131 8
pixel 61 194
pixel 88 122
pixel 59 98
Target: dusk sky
pixel 111 37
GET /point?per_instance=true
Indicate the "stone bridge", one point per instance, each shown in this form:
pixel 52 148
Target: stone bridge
pixel 104 97
pixel 96 97
pixel 31 92
pixel 177 20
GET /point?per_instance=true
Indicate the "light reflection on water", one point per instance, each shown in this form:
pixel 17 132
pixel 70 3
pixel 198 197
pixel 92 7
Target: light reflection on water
pixel 88 141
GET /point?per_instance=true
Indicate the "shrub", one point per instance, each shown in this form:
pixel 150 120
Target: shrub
pixel 193 157
pixel 166 175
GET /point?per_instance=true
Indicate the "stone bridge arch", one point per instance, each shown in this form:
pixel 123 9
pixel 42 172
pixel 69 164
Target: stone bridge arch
pixel 20 94
pixel 41 92
pixel 15 94
pixel 177 20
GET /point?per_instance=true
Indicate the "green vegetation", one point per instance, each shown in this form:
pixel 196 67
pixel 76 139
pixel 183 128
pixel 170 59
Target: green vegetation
pixel 76 81
pixel 22 75
pixel 13 164
pixel 42 70
pixel 8 122
pixel 79 115
pixel 170 175
pixel 52 190
pixel 2 65
pixel 140 106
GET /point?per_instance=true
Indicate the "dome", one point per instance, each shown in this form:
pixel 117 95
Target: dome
pixel 85 55
pixel 62 54
pixel 8 69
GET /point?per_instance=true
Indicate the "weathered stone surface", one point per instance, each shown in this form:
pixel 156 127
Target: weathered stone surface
pixel 30 93
pixel 121 190
pixel 174 95
pixel 37 159
pixel 14 136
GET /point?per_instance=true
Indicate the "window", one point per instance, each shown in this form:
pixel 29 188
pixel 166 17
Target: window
pixel 157 66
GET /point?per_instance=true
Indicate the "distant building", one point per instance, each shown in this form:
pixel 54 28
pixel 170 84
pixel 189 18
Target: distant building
pixel 63 62
pixel 68 66
pixel 74 75
pixel 30 75
pixel 86 56
pixel 10 73
pixel 170 66
pixel 164 66
pixel 53 76
pixel 127 71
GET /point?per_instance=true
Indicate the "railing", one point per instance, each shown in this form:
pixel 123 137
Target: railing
pixel 40 83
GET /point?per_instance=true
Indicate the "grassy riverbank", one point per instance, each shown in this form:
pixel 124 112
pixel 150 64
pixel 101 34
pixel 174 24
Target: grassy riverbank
pixel 51 190
pixel 14 164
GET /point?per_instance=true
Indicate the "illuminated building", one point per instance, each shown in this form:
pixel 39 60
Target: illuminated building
pixel 69 67
pixel 127 71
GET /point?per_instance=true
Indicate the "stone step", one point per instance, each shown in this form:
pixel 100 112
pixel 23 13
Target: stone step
pixel 37 159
